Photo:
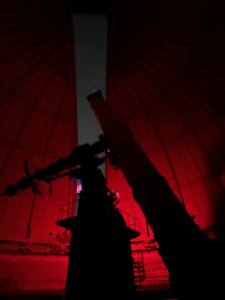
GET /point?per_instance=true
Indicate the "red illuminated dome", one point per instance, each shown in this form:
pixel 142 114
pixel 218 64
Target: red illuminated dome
pixel 38 110
pixel 165 80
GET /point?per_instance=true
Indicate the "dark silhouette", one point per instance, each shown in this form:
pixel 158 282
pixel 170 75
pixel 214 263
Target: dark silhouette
pixel 100 263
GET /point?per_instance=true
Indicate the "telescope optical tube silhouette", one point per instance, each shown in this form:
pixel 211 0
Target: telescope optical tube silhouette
pixel 193 261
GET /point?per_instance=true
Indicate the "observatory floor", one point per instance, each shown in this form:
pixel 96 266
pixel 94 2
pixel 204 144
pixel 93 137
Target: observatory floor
pixel 32 272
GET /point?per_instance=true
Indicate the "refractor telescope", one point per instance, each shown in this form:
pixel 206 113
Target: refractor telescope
pixel 195 265
pixel 80 156
pixel 100 262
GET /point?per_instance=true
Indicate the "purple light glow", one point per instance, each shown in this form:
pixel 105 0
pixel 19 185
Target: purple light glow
pixel 79 188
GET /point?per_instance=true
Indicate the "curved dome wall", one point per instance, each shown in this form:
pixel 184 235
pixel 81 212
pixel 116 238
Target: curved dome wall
pixel 166 81
pixel 37 109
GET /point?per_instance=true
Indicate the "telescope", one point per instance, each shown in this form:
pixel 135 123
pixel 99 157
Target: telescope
pixel 100 251
pixel 80 156
pixel 194 263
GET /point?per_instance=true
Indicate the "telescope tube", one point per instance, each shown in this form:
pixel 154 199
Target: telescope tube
pixel 150 190
pixel 187 253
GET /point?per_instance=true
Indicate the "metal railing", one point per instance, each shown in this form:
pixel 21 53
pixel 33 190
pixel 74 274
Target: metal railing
pixel 131 221
pixel 138 267
pixel 69 210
